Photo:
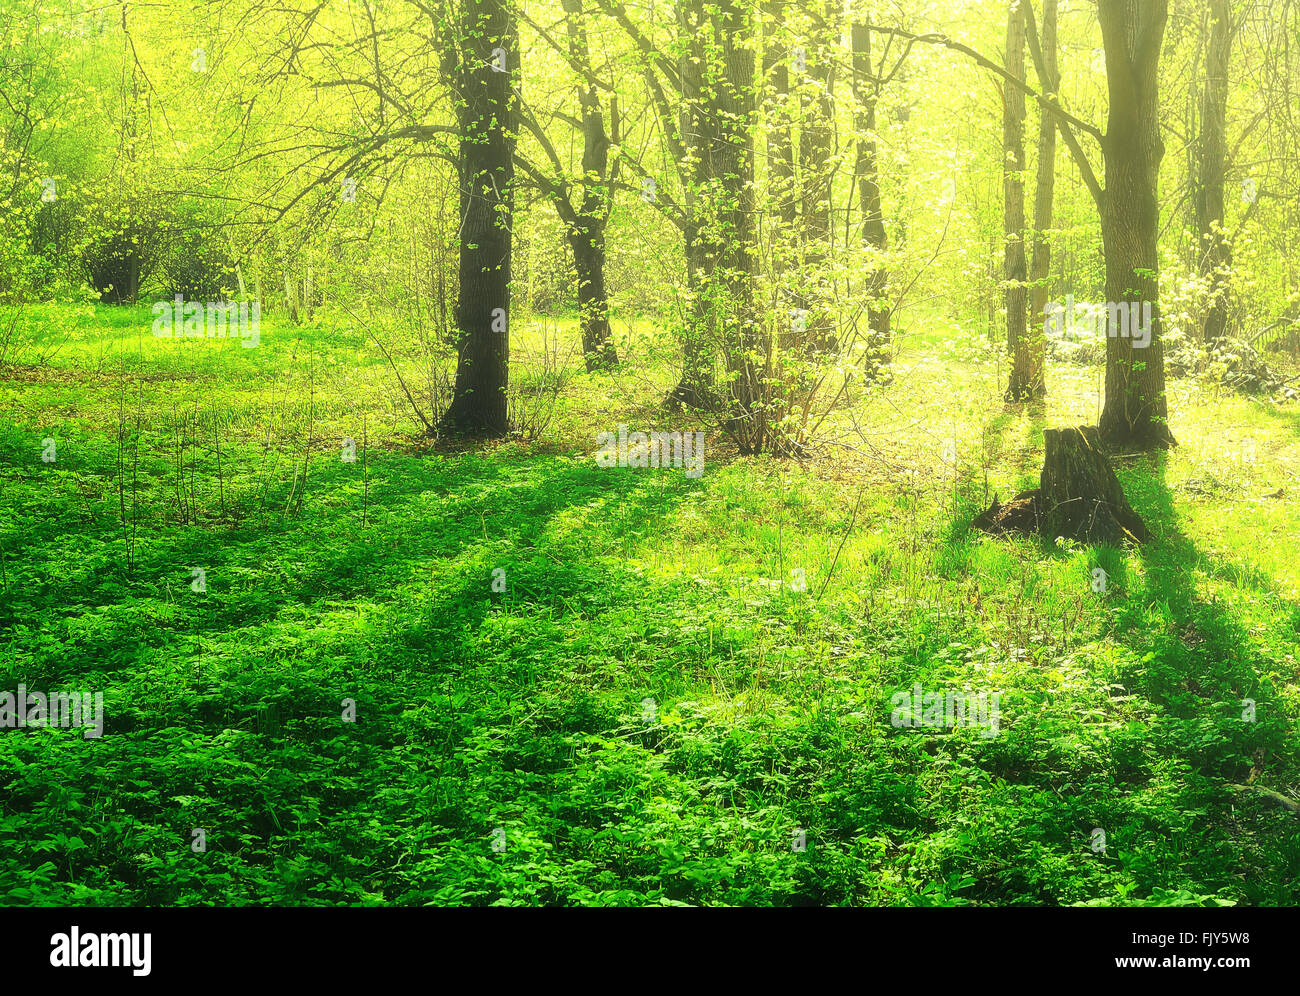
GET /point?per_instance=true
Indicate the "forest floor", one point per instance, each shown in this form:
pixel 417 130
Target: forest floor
pixel 678 691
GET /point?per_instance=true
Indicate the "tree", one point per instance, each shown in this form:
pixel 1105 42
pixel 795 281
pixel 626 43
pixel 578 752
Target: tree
pixel 485 112
pixel 816 173
pixel 697 128
pixel 587 232
pixel 688 134
pixel 1022 385
pixel 1135 412
pixel 732 107
pixel 867 85
pixel 782 193
pixel 585 223
pixel 1040 264
pixel 1215 249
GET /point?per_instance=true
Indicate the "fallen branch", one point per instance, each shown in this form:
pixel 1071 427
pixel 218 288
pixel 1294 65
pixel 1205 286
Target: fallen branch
pixel 1278 797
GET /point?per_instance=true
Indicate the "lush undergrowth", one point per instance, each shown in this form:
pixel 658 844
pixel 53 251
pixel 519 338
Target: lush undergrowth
pixel 583 686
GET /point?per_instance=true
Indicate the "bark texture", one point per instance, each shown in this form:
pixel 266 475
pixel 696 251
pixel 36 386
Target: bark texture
pixel 1015 272
pixel 1135 413
pixel 1078 497
pixel 486 111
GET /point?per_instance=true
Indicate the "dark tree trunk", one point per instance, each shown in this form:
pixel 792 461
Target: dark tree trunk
pixel 866 169
pixel 587 233
pixel 485 111
pixel 593 303
pixel 1215 251
pixel 1135 414
pixel 1021 385
pixel 780 160
pixel 1040 265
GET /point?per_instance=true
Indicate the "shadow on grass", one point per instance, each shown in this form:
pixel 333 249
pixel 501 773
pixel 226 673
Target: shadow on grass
pixel 454 536
pixel 1203 638
pixel 974 493
pixel 1223 714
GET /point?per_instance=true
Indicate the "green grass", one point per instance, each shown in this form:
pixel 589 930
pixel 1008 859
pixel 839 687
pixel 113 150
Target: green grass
pixel 650 712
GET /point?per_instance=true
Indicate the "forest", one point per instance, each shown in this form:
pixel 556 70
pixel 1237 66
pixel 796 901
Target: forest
pixel 649 453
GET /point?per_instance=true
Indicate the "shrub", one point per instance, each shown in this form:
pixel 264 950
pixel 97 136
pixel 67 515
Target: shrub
pixel 199 263
pixel 123 248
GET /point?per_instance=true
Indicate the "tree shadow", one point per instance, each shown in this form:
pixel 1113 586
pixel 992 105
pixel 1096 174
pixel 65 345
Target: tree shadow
pixel 464 533
pixel 1224 720
pixel 972 481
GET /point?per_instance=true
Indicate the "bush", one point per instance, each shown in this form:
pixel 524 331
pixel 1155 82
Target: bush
pixel 199 263
pixel 122 251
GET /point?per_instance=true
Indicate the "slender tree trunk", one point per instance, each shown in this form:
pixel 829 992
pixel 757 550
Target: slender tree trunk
pixel 1040 266
pixel 1135 414
pixel 587 237
pixel 867 172
pixel 746 348
pixel 696 387
pixel 1014 268
pixel 816 139
pixel 486 110
pixel 1215 251
pixel 780 163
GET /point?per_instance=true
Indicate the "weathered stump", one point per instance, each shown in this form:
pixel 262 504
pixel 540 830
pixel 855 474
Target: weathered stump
pixel 1078 496
pixel 1079 493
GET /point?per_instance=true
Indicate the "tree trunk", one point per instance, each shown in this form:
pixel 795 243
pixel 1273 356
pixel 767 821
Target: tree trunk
pixel 593 302
pixel 780 159
pixel 485 111
pixel 816 137
pixel 866 170
pixel 1215 252
pixel 1021 386
pixel 746 349
pixel 780 149
pixel 696 387
pixel 1040 266
pixel 587 236
pixel 1135 414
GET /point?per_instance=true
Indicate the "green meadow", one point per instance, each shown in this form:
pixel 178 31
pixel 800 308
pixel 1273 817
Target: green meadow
pixel 499 674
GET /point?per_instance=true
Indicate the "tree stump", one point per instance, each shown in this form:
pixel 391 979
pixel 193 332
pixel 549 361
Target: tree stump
pixel 1078 496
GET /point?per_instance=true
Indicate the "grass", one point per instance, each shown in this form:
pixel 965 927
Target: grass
pixel 670 680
